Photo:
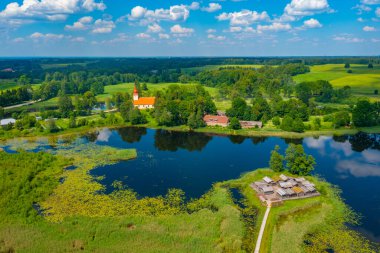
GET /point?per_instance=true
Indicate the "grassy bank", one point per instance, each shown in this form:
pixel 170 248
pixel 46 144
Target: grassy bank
pixel 267 131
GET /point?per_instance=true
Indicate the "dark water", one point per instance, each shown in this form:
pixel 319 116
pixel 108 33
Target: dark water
pixel 194 161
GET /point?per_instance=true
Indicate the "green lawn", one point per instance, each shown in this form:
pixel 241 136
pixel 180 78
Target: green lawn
pixel 363 80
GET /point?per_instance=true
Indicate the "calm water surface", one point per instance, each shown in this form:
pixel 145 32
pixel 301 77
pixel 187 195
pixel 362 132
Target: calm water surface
pixel 194 161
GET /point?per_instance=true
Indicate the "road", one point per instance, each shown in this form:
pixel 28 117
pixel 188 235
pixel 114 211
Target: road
pixel 23 104
pixel 262 228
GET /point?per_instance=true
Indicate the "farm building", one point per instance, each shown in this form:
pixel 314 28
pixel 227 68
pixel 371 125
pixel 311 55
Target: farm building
pixel 215 120
pixel 251 124
pixel 5 122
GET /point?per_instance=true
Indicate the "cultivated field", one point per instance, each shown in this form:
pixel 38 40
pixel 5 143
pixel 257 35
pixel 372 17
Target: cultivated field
pixel 363 81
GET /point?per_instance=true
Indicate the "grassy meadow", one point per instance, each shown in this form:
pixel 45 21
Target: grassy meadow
pixel 362 80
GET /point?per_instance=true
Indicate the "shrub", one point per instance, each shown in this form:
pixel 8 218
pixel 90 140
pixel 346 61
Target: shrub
pixel 235 124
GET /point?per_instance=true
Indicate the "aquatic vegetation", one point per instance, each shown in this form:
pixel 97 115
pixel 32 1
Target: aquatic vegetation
pixel 88 220
pixel 26 179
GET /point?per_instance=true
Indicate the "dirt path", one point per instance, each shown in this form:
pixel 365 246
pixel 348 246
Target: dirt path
pixel 262 228
pixel 23 104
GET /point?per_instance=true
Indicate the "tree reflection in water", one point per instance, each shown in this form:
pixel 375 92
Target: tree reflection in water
pixel 131 134
pixel 172 141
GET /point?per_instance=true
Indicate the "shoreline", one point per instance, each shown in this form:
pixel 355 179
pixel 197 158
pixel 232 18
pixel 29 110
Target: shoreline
pixel 208 130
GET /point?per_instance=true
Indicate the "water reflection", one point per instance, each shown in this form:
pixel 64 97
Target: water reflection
pixel 172 141
pixel 356 155
pixel 131 134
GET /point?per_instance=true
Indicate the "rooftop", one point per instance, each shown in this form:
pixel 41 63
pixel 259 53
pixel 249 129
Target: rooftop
pixel 216 118
pixel 145 101
pixel 5 122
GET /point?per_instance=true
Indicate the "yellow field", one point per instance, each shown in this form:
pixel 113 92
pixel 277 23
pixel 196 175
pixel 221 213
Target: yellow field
pixel 363 81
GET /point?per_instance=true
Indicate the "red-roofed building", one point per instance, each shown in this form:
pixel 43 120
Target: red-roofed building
pixel 215 120
pixel 143 102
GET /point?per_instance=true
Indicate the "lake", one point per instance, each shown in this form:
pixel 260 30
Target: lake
pixel 194 161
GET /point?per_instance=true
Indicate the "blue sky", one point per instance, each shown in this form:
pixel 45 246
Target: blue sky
pixel 189 28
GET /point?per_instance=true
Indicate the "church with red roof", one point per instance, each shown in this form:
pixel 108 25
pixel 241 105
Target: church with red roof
pixel 142 102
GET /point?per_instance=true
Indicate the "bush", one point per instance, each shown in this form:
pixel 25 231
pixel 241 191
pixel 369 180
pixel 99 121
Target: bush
pixel 298 126
pixel 136 117
pixel 287 124
pixel 235 124
pixel 276 121
pixel 341 119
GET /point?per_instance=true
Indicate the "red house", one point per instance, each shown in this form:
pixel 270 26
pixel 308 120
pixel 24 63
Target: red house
pixel 215 120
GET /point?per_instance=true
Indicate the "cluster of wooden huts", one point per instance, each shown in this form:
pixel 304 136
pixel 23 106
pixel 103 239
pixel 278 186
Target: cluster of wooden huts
pixel 272 191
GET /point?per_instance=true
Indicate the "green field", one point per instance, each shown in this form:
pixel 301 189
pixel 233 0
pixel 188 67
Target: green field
pixel 62 65
pixel 363 80
pixel 214 67
pixel 153 87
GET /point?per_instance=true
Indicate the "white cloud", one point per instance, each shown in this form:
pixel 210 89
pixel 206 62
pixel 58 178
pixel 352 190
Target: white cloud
pixel 306 7
pixel 174 13
pixel 311 23
pixel 276 27
pixel 369 28
pixel 215 37
pixel 53 10
pixel 180 31
pixel 362 8
pixel 375 40
pixel 361 19
pixel 212 7
pixel 295 39
pixel 164 36
pixel 370 2
pixel 155 28
pixel 244 17
pixel 211 31
pixel 378 12
pixel 91 5
pixel 103 26
pixel 18 40
pixel 47 36
pixel 235 29
pixel 86 20
pixel 78 39
pixel 81 24
pixel 348 38
pixel 143 36
pixel 138 12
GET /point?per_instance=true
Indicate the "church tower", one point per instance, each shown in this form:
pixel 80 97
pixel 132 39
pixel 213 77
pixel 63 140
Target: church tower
pixel 135 94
